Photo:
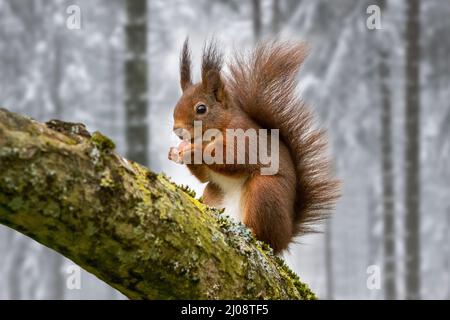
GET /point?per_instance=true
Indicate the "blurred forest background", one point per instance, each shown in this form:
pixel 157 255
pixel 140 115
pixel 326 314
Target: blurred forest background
pixel 383 95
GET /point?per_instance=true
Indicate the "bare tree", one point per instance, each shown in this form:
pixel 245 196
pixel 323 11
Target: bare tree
pixel 276 17
pixel 387 175
pixel 53 259
pixel 412 151
pixel 374 240
pixel 387 181
pixel 136 81
pixel 257 24
pixel 329 260
pixel 447 249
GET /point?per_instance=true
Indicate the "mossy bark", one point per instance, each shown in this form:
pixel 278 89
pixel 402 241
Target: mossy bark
pixel 132 228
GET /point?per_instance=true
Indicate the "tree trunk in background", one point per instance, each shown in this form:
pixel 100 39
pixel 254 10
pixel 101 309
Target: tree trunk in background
pixel 276 17
pixel 412 151
pixel 53 260
pixel 446 245
pixel 257 24
pixel 329 260
pixel 16 263
pixel 107 118
pixel 40 276
pixel 373 237
pixel 387 181
pixel 56 77
pixel 136 81
pixel 387 176
pixel 112 86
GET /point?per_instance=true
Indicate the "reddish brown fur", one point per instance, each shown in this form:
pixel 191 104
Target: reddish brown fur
pixel 212 195
pixel 260 93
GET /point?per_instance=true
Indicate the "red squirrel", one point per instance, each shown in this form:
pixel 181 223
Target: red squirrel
pixel 258 92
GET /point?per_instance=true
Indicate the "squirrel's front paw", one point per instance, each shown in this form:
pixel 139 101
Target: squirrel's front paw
pixel 182 153
pixel 174 155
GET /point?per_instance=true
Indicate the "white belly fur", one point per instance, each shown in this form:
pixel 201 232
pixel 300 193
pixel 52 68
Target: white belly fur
pixel 232 190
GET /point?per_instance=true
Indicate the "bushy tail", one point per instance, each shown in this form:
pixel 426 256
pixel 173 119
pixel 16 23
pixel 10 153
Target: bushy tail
pixel 263 84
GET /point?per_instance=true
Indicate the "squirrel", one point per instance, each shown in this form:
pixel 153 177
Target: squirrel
pixel 257 92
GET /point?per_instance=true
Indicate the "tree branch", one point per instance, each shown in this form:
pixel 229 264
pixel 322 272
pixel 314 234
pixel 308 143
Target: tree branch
pixel 132 228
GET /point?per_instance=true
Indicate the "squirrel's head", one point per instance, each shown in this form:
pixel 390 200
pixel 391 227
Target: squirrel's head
pixel 205 101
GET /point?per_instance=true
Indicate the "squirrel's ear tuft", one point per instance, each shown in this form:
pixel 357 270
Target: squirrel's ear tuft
pixel 185 66
pixel 214 86
pixel 211 65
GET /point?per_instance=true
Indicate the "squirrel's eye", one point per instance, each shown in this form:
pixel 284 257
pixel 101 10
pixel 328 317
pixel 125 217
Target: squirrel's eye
pixel 200 109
